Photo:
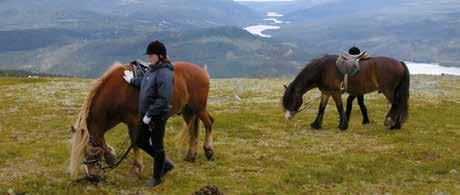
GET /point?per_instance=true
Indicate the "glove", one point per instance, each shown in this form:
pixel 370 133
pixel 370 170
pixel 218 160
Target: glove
pixel 128 76
pixel 146 119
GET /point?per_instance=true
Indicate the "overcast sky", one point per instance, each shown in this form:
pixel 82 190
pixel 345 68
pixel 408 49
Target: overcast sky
pixel 263 0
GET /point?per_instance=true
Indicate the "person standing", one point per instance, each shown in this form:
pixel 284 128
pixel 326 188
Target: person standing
pixel 155 103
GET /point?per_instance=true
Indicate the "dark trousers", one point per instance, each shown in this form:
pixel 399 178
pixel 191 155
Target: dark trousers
pixel 150 139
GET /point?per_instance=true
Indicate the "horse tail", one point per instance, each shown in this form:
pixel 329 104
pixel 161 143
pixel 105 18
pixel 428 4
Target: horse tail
pixel 401 97
pixel 184 134
pixel 189 131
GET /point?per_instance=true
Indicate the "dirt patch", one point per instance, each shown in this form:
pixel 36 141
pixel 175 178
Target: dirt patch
pixel 208 190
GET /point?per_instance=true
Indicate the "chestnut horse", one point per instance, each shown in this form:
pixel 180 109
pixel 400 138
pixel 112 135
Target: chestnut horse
pixel 387 75
pixel 112 101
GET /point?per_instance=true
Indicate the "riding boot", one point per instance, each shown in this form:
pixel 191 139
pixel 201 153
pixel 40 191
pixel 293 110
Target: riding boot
pixel 158 168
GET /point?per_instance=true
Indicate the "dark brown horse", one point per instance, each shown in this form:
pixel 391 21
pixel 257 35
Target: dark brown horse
pixel 387 75
pixel 112 101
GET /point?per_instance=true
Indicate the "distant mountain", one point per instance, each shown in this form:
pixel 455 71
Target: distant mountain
pixel 122 14
pixel 228 51
pixel 84 37
pixel 427 31
pixel 283 6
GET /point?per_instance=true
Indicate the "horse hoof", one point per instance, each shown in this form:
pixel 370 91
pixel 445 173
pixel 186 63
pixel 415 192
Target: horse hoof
pixel 315 126
pixel 136 171
pixel 209 154
pixel 365 122
pixel 110 160
pixel 190 157
pixel 95 180
pixel 343 124
pixel 395 126
pixel 343 127
pixel 388 122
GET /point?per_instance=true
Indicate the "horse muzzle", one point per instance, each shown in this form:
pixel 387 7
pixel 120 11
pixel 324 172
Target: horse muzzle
pixel 289 114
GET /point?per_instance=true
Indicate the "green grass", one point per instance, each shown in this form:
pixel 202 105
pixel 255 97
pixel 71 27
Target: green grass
pixel 257 151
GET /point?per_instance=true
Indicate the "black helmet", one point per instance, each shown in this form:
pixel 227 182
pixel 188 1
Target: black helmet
pixel 156 47
pixel 354 51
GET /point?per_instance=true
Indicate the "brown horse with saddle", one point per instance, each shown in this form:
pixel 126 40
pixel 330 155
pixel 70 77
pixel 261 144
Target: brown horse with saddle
pixel 386 75
pixel 112 101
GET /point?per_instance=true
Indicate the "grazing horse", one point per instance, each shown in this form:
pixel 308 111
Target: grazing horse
pixel 387 75
pixel 112 101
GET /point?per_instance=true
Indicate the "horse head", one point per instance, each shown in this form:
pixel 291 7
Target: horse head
pixel 90 153
pixel 292 101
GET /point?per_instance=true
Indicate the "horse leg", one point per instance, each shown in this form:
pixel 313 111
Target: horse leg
pixel 138 166
pixel 322 106
pixel 109 154
pixel 388 120
pixel 391 120
pixel 343 123
pixel 208 142
pixel 349 105
pixel 192 121
pixel 363 108
pixel 108 151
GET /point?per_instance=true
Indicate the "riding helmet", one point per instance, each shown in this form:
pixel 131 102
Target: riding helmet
pixel 354 51
pixel 156 47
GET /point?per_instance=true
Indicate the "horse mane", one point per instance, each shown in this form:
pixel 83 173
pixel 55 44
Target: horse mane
pixel 304 76
pixel 310 68
pixel 80 137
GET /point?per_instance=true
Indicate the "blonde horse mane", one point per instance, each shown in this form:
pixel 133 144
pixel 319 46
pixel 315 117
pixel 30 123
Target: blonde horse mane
pixel 80 137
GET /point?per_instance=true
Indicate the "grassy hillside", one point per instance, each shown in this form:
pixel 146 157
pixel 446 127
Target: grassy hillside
pixel 257 151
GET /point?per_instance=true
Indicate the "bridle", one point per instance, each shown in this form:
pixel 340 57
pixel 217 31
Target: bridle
pixel 98 163
pixel 96 160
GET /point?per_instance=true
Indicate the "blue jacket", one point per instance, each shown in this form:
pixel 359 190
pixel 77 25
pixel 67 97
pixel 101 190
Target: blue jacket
pixel 156 90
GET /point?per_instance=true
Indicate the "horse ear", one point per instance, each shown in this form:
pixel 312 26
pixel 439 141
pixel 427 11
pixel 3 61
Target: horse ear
pixel 285 87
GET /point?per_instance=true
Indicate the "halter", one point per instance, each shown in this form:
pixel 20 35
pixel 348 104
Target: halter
pixel 96 160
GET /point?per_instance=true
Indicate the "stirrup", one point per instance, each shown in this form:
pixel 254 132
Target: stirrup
pixel 342 88
pixel 344 84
